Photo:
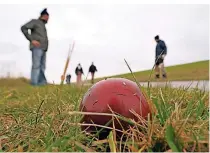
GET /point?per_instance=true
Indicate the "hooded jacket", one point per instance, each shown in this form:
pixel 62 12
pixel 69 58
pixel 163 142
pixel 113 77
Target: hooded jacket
pixel 160 48
pixel 38 33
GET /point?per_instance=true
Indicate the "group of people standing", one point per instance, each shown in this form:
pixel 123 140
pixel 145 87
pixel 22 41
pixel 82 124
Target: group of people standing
pixel 79 72
pixel 38 40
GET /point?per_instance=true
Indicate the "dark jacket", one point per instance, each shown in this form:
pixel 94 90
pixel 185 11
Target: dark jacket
pixel 77 70
pixel 92 69
pixel 68 78
pixel 161 48
pixel 38 32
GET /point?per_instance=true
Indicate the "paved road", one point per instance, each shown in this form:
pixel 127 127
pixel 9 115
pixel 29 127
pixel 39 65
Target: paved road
pixel 203 85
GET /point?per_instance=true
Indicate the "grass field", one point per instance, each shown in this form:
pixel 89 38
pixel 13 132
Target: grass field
pixel 191 71
pixel 42 119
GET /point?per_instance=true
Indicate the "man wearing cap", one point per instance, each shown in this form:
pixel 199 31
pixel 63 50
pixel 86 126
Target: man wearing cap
pixel 161 51
pixel 92 70
pixel 79 72
pixel 38 45
pixel 68 78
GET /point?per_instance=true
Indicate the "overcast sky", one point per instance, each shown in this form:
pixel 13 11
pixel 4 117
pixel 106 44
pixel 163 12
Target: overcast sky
pixel 105 34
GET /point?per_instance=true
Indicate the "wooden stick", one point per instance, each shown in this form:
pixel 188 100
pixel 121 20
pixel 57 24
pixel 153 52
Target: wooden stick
pixel 67 63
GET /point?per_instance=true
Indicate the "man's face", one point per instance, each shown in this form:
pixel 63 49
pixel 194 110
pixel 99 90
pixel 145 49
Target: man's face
pixel 45 17
pixel 156 40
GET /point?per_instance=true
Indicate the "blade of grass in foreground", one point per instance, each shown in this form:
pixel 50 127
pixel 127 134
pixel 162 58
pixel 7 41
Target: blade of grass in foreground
pixel 160 116
pixel 111 142
pixel 170 138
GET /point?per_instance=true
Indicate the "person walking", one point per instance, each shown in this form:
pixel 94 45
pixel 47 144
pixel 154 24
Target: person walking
pixel 79 72
pixel 38 40
pixel 68 78
pixel 161 51
pixel 92 70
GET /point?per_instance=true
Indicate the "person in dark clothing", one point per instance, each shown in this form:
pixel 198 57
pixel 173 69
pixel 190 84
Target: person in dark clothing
pixel 161 51
pixel 92 70
pixel 38 40
pixel 79 72
pixel 68 79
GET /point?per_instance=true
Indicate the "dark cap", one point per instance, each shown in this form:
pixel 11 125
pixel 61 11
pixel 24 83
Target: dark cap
pixel 44 12
pixel 156 37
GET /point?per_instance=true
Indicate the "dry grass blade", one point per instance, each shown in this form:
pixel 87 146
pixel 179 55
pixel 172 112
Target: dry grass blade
pixel 60 127
pixel 124 148
pixel 99 142
pixel 132 148
pixel 84 147
pixel 103 114
pixel 168 151
pixel 194 146
pixel 37 112
pixel 114 133
pixel 137 82
pixel 95 125
pixel 140 119
pixel 20 148
pixel 111 141
pixel 132 74
pixel 140 150
pixel 0 144
pixel 150 129
pixel 183 125
pixel 116 118
pixel 90 113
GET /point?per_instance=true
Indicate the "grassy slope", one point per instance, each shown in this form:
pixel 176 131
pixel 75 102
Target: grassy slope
pixel 38 119
pixel 191 71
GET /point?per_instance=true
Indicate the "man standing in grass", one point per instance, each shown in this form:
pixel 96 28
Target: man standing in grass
pixel 38 45
pixel 92 70
pixel 161 51
pixel 68 78
pixel 79 72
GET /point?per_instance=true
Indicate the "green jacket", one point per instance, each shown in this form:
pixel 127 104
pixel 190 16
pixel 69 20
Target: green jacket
pixel 38 32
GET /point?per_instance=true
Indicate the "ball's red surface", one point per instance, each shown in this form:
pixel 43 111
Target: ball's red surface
pixel 121 95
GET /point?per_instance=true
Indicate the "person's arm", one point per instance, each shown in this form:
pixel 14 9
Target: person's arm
pixel 28 26
pixel 164 47
pixel 96 69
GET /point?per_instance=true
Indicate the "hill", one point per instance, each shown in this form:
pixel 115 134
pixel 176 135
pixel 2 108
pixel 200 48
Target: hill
pixel 13 82
pixel 190 71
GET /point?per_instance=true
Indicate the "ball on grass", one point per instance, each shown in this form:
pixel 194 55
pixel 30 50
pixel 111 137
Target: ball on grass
pixel 121 95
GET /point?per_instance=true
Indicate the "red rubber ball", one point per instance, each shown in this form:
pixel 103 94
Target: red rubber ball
pixel 121 95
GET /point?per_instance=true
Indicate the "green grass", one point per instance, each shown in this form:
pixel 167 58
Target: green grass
pixel 40 119
pixel 191 71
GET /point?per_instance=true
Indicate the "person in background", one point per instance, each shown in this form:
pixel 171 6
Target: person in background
pixel 161 51
pixel 38 40
pixel 79 72
pixel 92 70
pixel 68 79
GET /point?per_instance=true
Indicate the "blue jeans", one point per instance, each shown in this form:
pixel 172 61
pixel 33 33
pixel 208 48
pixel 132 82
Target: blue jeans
pixel 38 67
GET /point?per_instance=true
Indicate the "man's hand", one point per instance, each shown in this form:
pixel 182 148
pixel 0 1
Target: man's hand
pixel 35 43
